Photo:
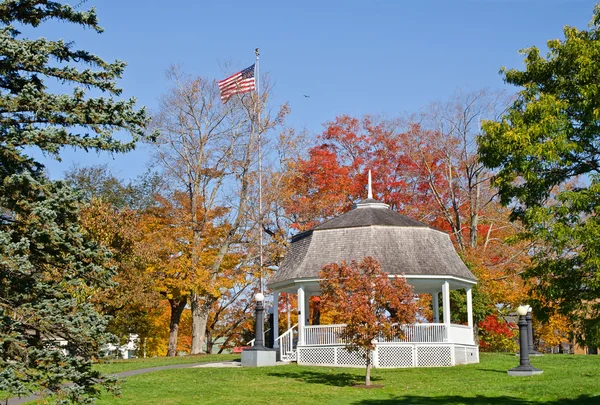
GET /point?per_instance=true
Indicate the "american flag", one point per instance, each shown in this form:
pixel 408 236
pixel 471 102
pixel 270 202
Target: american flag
pixel 241 82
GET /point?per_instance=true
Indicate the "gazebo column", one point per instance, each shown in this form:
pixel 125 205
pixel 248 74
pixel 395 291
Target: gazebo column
pixel 446 307
pixel 275 330
pixel 470 307
pixel 307 309
pixel 301 316
pixel 436 307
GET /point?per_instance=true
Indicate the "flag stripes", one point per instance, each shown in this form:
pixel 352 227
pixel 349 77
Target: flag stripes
pixel 240 82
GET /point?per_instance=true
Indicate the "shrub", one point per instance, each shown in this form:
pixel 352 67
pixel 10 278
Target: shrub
pixel 496 335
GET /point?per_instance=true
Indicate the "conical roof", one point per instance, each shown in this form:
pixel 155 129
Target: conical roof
pixel 370 212
pixel 401 244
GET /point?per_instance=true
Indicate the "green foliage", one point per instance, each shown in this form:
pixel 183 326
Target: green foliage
pixel 98 182
pixel 49 268
pixel 546 150
pixel 482 306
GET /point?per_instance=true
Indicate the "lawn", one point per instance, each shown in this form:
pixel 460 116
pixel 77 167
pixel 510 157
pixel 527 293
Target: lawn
pixel 116 366
pixel 566 380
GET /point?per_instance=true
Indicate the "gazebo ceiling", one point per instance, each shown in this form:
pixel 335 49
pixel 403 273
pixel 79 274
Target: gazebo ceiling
pixel 402 245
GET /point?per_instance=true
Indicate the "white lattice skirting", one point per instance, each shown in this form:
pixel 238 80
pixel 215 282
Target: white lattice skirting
pixel 391 355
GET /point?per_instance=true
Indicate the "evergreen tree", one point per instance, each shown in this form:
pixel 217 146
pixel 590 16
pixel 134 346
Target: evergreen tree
pixel 48 267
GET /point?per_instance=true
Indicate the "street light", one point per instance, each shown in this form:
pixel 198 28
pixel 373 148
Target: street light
pixel 259 355
pixel 259 342
pixel 525 368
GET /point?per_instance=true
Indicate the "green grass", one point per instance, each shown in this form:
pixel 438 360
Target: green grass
pixel 116 366
pixel 566 380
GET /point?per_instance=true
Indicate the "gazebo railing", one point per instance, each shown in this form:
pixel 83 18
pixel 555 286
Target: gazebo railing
pixel 324 335
pixel 318 335
pixel 287 344
pixel 420 333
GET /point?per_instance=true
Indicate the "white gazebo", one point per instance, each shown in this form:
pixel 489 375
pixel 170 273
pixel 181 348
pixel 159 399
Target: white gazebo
pixel 403 246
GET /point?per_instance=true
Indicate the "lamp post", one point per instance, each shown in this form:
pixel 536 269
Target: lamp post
pixel 259 355
pixel 259 342
pixel 532 351
pixel 525 368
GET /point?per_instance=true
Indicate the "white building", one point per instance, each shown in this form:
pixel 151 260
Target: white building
pixel 403 246
pixel 126 351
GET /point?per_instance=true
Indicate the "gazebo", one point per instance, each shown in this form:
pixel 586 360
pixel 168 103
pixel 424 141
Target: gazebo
pixel 404 247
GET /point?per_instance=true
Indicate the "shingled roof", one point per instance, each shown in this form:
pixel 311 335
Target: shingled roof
pixel 401 244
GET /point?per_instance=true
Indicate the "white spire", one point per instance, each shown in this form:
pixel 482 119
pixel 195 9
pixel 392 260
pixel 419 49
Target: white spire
pixel 370 193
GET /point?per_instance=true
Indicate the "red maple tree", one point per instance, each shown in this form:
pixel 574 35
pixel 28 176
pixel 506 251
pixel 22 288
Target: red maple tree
pixel 369 302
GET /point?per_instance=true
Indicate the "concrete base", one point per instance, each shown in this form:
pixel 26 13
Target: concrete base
pixel 524 371
pixel 258 358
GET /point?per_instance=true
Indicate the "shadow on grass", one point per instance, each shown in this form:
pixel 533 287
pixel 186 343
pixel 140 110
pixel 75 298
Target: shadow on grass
pixel 491 370
pixel 334 379
pixel 478 400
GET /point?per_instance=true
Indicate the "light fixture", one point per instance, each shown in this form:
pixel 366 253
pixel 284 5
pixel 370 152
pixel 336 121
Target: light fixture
pixel 522 310
pixel 525 368
pixel 259 297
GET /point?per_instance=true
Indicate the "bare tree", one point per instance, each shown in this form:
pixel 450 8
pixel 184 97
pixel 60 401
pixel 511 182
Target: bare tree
pixel 458 182
pixel 210 150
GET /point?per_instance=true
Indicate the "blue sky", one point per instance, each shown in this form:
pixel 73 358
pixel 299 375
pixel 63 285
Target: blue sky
pixel 350 57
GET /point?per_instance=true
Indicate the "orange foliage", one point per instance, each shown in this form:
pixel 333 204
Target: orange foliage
pixel 428 170
pixel 157 344
pixel 368 302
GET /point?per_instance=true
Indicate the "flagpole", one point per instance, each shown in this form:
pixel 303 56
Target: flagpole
pixel 260 207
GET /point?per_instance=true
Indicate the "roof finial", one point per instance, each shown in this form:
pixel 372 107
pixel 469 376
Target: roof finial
pixel 370 193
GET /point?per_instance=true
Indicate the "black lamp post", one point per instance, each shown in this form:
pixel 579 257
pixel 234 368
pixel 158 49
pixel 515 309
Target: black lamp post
pixel 525 368
pixel 259 330
pixel 259 355
pixel 532 351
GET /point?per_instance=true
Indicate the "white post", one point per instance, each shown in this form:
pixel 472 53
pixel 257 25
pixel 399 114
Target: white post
pixel 275 319
pixel 301 316
pixel 307 309
pixel 436 307
pixel 470 307
pixel 288 308
pixel 446 309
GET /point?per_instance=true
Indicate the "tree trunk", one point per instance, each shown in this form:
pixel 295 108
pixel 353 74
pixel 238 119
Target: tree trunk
pixel 316 314
pixel 177 307
pixel 199 320
pixel 474 207
pixel 368 376
pixel 209 343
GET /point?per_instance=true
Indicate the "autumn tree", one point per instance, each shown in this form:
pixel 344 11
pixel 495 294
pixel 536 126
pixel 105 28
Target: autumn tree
pixel 369 302
pixel 112 218
pixel 545 151
pixel 231 316
pixel 48 266
pixel 208 150
pixel 425 166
